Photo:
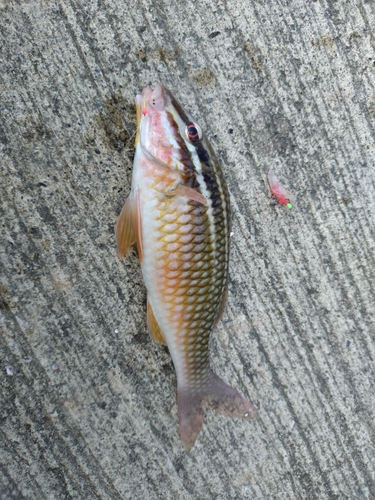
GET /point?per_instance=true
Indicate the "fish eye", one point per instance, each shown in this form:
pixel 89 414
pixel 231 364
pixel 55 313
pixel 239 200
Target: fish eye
pixel 193 132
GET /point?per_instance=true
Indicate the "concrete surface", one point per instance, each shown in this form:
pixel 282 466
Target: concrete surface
pixel 90 410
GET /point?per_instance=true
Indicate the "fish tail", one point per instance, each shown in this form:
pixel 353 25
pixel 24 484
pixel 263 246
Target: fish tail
pixel 216 395
pixel 190 416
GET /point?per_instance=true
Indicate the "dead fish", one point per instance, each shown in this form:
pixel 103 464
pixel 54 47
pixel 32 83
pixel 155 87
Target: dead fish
pixel 178 213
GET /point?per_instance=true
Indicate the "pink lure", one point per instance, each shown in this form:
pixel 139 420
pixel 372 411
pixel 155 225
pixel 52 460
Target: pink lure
pixel 280 192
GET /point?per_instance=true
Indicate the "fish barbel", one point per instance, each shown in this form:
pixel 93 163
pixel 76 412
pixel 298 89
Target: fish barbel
pixel 178 213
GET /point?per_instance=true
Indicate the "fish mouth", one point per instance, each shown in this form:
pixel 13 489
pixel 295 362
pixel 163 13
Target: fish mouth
pixel 150 100
pixel 147 103
pixel 154 96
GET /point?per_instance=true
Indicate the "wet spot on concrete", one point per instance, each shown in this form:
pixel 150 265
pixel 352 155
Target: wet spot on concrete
pixel 323 42
pixel 159 53
pixel 255 57
pixel 116 123
pixel 205 78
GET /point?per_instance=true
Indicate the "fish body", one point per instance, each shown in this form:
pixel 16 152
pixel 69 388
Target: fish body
pixel 178 213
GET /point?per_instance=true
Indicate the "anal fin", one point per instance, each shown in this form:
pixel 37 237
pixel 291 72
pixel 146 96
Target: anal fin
pixel 153 325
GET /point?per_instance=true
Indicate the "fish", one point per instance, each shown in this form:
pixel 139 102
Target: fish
pixel 178 214
pixel 280 192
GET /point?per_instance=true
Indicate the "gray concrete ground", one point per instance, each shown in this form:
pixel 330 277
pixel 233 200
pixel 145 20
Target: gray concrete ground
pixel 90 409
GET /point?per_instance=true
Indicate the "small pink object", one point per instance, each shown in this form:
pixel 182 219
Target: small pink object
pixel 144 111
pixel 280 192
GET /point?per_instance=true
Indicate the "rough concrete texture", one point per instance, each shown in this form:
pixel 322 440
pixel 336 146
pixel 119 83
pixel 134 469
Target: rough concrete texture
pixel 90 410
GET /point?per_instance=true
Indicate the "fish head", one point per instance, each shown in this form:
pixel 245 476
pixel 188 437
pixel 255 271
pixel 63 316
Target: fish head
pixel 167 134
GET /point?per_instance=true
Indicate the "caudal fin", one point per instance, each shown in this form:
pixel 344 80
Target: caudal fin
pixel 218 396
pixel 227 401
pixel 190 415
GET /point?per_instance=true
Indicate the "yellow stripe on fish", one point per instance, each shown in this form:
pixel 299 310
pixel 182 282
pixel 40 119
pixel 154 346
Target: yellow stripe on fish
pixel 178 212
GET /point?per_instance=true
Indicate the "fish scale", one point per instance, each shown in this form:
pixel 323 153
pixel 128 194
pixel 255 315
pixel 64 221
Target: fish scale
pixel 190 292
pixel 179 215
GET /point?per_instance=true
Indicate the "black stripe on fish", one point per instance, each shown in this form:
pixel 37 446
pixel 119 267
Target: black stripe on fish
pixel 203 156
pixel 212 188
pixel 202 153
pixel 178 108
pixel 185 155
pixel 208 175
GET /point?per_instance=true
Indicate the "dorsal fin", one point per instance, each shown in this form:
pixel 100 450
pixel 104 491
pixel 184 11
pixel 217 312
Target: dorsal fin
pixel 222 306
pixel 153 325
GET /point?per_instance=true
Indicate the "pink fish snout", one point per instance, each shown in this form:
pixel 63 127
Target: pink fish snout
pixel 155 99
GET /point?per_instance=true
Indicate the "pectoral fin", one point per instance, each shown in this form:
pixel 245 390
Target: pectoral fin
pixel 124 229
pixel 153 325
pixel 128 229
pixel 187 192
